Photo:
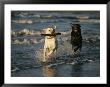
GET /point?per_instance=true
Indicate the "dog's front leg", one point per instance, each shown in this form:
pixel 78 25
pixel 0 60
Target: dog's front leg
pixel 44 57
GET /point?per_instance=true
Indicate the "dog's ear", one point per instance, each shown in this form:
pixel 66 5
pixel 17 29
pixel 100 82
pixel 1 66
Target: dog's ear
pixel 75 25
pixel 78 25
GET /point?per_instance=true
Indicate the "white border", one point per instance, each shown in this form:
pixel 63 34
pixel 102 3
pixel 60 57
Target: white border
pixel 56 80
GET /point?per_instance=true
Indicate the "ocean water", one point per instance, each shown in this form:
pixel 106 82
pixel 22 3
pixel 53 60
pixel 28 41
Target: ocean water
pixel 27 44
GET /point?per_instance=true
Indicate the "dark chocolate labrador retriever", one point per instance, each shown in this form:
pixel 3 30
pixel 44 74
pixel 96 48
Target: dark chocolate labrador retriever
pixel 76 37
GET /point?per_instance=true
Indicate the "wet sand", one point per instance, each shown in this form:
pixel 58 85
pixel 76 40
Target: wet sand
pixel 89 69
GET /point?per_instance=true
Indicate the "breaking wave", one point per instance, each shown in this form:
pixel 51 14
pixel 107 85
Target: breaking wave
pixel 30 36
pixel 36 17
pixel 31 21
pixel 50 14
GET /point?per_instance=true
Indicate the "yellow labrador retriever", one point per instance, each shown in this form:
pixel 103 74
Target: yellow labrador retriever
pixel 50 45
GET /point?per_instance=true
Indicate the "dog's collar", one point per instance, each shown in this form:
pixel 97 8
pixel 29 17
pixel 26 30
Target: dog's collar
pixel 50 37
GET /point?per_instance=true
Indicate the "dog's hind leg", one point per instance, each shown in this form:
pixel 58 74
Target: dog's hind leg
pixel 55 54
pixel 72 47
pixel 44 57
